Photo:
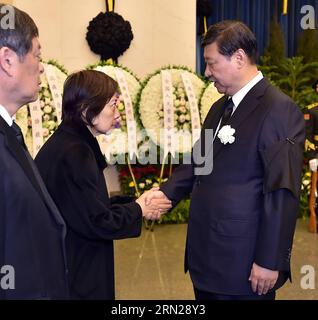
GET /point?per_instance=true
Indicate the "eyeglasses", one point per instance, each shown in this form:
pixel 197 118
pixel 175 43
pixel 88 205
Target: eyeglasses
pixel 114 100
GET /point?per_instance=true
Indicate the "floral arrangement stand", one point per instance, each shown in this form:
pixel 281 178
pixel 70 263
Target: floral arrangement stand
pixel 168 108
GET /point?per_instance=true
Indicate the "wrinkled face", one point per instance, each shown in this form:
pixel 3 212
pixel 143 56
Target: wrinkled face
pixel 27 74
pixel 221 70
pixel 108 118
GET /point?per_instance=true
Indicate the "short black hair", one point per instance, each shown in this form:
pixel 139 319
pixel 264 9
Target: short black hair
pixel 231 35
pixel 89 91
pixel 315 84
pixel 19 39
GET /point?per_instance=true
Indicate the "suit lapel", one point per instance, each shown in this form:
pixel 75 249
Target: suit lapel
pixel 249 103
pixel 211 122
pixel 16 150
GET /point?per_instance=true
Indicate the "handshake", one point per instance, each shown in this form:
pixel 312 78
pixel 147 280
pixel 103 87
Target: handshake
pixel 153 204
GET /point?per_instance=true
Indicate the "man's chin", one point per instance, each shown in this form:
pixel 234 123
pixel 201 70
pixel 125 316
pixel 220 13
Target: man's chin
pixel 220 90
pixel 34 98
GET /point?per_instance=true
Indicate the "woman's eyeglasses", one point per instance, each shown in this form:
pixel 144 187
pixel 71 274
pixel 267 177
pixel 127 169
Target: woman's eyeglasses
pixel 114 100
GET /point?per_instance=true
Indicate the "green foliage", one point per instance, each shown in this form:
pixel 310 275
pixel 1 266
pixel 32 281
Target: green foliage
pixel 179 214
pixel 296 78
pixel 293 77
pixel 269 70
pixel 275 51
pixel 59 66
pixel 308 45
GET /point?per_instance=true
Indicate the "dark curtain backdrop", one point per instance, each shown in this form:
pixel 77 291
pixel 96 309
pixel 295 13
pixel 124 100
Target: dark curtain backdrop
pixel 257 14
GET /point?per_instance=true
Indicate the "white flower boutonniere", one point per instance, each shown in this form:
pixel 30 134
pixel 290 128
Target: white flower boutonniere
pixel 226 134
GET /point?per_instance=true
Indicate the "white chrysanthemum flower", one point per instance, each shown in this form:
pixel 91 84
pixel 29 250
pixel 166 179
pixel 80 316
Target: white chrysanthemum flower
pixel 183 110
pixel 47 109
pixel 182 118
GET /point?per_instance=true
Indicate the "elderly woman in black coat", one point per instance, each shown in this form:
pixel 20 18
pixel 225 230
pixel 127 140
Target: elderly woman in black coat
pixel 72 165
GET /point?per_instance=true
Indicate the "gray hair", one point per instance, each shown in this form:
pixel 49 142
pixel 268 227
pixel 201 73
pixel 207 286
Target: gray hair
pixel 19 37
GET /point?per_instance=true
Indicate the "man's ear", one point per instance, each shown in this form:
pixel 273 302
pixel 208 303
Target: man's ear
pixel 240 57
pixel 7 59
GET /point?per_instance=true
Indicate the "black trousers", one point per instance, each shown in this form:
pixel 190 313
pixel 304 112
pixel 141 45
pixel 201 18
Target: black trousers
pixel 203 295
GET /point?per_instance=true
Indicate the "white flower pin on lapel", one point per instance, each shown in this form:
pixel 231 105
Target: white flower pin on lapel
pixel 226 134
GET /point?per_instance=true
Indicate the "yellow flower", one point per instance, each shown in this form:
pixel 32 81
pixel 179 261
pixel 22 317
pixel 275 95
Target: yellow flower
pixel 131 184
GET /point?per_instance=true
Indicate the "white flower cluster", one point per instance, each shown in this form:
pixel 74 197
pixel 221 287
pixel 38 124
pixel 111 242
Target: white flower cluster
pixel 49 116
pixel 226 134
pixel 209 96
pixel 151 107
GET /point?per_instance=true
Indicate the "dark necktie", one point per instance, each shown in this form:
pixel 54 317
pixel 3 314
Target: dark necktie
pixel 228 109
pixel 18 134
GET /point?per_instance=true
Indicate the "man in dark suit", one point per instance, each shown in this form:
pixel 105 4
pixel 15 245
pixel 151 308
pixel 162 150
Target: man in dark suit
pixel 243 213
pixel 32 231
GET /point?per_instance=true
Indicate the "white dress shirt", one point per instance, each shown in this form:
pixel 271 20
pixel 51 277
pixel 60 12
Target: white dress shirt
pixel 5 115
pixel 239 95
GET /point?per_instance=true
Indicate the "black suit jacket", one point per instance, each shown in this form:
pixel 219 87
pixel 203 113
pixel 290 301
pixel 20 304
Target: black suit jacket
pixel 32 234
pixel 246 209
pixel 71 165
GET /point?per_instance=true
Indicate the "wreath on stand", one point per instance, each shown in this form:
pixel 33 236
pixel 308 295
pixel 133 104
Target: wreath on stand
pixel 185 88
pixel 151 106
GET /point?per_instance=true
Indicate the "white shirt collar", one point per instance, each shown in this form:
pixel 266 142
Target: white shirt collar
pixel 5 115
pixel 239 96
